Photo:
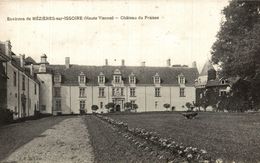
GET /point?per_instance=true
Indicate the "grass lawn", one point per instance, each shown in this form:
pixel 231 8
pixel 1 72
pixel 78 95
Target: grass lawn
pixel 230 136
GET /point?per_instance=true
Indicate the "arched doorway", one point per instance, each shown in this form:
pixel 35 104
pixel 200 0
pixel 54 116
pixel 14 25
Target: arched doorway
pixel 118 108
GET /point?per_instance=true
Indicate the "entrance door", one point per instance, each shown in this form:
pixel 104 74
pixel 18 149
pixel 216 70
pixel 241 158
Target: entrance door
pixel 118 108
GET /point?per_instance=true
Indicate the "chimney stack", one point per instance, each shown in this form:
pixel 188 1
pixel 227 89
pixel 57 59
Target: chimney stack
pixel 194 64
pixel 31 70
pixel 168 62
pixel 143 64
pixel 8 48
pixel 106 62
pixel 22 57
pixel 123 62
pixel 67 62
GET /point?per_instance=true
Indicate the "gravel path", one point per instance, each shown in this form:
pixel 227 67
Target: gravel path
pixel 67 141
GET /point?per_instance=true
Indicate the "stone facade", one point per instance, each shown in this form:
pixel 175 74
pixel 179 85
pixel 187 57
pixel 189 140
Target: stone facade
pixel 20 85
pixel 78 87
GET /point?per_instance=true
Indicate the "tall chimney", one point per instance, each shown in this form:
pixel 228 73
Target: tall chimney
pixel 106 62
pixel 22 56
pixel 143 63
pixel 123 62
pixel 67 62
pixel 168 62
pixel 8 48
pixel 194 64
pixel 31 70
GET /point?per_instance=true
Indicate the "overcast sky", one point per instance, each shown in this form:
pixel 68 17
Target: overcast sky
pixel 185 31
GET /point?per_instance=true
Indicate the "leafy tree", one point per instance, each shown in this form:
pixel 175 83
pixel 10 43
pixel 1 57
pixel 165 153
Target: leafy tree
pixel 166 106
pixel 128 106
pixel 237 48
pixel 94 108
pixel 110 105
pixel 135 107
pixel 188 105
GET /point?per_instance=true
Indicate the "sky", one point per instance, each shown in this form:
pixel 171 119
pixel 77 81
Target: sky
pixel 184 31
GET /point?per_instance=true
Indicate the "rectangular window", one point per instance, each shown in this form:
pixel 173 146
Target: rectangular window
pixel 132 80
pixel 101 79
pixel 81 92
pixel 156 104
pixel 182 80
pixel 222 93
pixel 82 105
pixel 182 92
pixel 156 79
pixel 14 78
pixel 56 78
pixel 101 105
pixel 35 88
pixel 43 108
pixel 117 79
pixel 157 92
pixel 58 105
pixel 101 92
pixel 122 91
pixel 132 92
pixel 113 91
pixel 57 92
pixel 23 82
pixel 82 79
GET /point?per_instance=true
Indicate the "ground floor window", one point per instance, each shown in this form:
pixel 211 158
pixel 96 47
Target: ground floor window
pixel 58 105
pixel 101 105
pixel 82 105
pixel 182 92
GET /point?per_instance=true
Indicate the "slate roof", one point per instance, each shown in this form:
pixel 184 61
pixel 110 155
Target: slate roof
pixel 29 61
pixel 207 66
pixel 144 75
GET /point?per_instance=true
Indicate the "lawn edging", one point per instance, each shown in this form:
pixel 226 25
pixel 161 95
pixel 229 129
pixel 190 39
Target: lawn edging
pixel 190 154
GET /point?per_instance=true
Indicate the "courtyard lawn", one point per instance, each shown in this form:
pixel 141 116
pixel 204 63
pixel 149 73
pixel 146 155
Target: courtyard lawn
pixel 230 136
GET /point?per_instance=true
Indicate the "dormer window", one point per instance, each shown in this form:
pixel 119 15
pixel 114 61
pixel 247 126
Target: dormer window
pixel 101 78
pixel 57 78
pixel 132 79
pixel 181 79
pixel 82 78
pixel 157 79
pixel 117 76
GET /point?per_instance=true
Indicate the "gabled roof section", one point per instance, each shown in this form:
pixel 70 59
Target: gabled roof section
pixel 29 61
pixel 207 66
pixel 144 75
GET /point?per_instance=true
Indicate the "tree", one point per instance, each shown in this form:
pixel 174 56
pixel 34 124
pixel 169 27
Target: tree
pixel 128 106
pixel 188 105
pixel 94 108
pixel 237 48
pixel 135 107
pixel 166 106
pixel 110 106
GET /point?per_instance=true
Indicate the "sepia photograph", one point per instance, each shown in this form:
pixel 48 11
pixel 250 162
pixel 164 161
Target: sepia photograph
pixel 141 81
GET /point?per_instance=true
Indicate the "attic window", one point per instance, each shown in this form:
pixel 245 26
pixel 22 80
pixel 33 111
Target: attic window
pixel 117 76
pixel 157 79
pixel 82 78
pixel 132 79
pixel 57 78
pixel 181 79
pixel 101 78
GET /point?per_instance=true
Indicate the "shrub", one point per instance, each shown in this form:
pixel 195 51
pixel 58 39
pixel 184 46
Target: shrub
pixel 166 106
pixel 94 108
pixel 6 116
pixel 111 106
